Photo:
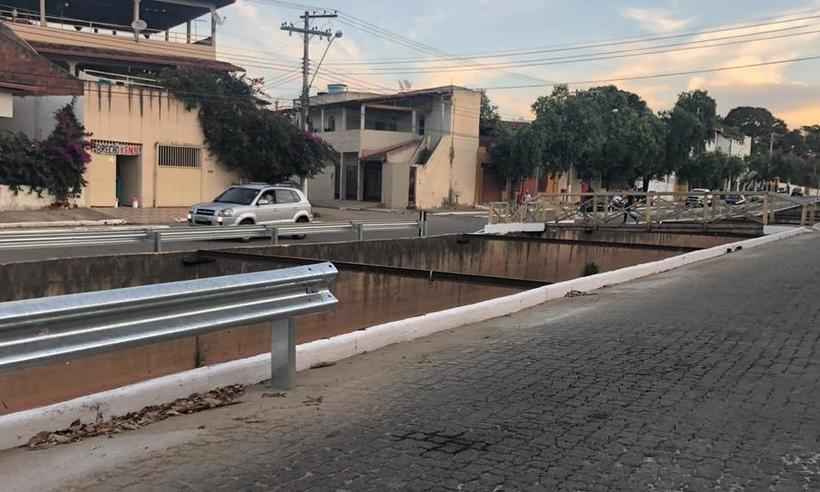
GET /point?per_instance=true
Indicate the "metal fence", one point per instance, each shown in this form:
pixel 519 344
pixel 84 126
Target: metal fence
pixel 650 208
pixel 158 237
pixel 38 331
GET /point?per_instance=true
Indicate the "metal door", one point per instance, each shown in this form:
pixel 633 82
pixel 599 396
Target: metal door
pixel 266 213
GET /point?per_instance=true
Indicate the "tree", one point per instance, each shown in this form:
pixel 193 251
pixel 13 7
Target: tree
pixel 758 123
pixel 55 165
pixel 690 126
pixel 489 119
pixel 603 132
pixel 712 170
pixel 258 144
pixel 517 153
pixel 65 154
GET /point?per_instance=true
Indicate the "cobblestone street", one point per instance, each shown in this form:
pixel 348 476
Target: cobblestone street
pixel 702 378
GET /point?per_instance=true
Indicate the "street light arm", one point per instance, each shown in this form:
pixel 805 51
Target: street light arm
pixel 327 48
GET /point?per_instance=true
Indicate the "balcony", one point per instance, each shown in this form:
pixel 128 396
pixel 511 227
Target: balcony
pixel 76 33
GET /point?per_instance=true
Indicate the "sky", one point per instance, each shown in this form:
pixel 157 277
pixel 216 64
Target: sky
pixel 635 38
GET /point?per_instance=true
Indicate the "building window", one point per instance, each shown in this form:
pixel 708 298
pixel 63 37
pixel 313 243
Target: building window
pixel 421 125
pixel 179 156
pixel 330 124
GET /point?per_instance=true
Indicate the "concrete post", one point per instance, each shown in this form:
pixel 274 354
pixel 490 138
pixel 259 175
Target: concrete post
pixel 361 120
pixel 43 22
pixel 358 230
pixel 648 211
pixel 765 209
pixel 804 215
pixel 283 354
pixel 188 32
pixel 157 237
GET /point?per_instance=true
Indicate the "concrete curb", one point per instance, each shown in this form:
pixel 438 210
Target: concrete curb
pixel 17 428
pixel 61 223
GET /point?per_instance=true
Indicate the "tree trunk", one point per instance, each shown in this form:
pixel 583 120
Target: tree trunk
pixel 646 180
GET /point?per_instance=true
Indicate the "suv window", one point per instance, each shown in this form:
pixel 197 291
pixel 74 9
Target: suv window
pixel 286 196
pixel 267 195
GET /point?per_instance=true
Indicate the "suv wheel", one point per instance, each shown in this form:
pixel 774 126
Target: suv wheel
pixel 246 222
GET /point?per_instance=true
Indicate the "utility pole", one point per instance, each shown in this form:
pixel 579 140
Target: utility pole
pixel 307 31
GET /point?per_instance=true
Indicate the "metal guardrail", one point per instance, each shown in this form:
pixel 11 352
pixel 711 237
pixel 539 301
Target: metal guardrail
pixel 38 331
pixel 157 237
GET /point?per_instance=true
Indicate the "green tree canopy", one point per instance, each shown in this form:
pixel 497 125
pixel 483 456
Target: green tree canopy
pixel 489 119
pixel 602 132
pixel 257 143
pixel 758 123
pixel 517 153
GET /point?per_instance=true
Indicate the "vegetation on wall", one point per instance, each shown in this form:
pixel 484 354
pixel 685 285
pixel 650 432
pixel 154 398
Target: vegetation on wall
pixel 258 144
pixel 55 165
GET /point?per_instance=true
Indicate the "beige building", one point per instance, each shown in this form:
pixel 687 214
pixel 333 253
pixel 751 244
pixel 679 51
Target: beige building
pixel 146 147
pixel 411 149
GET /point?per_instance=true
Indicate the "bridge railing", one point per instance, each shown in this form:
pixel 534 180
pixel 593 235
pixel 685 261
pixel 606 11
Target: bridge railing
pixel 38 331
pixel 648 208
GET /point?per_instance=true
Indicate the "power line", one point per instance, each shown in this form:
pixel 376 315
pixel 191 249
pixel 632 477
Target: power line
pixel 575 47
pixel 581 59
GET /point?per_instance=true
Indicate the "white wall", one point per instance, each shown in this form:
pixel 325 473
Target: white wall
pixel 34 116
pixel 730 146
pixel 6 105
pixel 26 200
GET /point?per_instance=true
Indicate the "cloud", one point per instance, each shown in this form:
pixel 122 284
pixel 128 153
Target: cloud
pixel 655 20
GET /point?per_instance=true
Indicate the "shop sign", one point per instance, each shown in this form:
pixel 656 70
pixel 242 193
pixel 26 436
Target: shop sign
pixel 110 147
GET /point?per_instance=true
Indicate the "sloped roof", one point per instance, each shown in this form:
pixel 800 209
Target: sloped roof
pixel 370 154
pixel 109 55
pixel 24 71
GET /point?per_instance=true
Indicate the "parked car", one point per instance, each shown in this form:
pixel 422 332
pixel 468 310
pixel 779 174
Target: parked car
pixel 797 192
pixel 735 199
pixel 698 200
pixel 255 203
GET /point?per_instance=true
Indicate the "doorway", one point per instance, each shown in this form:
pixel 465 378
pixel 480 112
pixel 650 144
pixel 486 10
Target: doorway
pixel 351 182
pixel 128 179
pixel 372 181
pixel 411 191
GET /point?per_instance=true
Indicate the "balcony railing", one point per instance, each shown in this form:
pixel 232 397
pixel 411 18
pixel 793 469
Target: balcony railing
pixel 30 17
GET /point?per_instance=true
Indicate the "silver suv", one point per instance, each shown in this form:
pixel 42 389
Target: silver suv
pixel 255 203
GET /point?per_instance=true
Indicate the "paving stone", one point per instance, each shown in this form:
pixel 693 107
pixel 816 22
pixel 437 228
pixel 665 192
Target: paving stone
pixel 702 377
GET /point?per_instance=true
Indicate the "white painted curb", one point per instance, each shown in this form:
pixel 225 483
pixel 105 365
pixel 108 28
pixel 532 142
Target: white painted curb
pixel 17 428
pixel 61 223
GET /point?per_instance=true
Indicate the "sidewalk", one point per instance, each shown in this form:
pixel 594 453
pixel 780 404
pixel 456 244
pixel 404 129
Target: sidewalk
pixel 702 378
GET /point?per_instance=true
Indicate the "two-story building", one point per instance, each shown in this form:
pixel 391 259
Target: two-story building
pixel 146 147
pixel 411 149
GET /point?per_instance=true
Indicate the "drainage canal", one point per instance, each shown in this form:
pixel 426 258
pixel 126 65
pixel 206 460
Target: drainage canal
pixel 378 282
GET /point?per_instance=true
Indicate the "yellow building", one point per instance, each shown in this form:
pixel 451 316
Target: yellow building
pixel 146 147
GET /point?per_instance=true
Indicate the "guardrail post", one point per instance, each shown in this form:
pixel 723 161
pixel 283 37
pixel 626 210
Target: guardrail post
pixel 273 233
pixel 283 354
pixel 157 237
pixel 649 211
pixel 765 209
pixel 423 223
pixel 804 215
pixel 358 230
pixel 814 213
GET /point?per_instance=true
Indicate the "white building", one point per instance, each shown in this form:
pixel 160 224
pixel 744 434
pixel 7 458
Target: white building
pixel 416 148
